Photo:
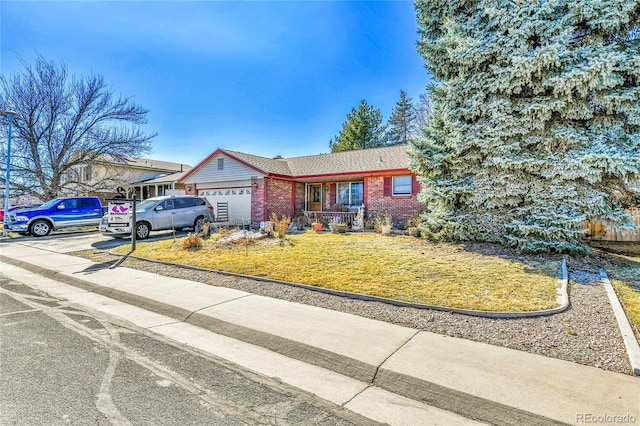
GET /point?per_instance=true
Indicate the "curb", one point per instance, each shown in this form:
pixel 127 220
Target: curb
pixel 562 293
pixel 629 337
pixel 481 409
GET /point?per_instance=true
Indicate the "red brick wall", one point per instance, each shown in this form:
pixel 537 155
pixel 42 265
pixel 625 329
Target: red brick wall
pixel 279 192
pixel 401 208
pixel 257 200
pixel 299 200
pixel 279 198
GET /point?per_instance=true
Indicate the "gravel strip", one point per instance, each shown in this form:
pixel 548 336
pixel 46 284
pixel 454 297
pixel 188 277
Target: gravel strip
pixel 586 333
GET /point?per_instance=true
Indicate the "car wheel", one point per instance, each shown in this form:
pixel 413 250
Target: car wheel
pixel 142 230
pixel 40 228
pixel 197 225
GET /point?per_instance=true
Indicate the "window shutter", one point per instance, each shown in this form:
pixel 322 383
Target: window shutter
pixel 332 194
pixel 415 185
pixel 387 186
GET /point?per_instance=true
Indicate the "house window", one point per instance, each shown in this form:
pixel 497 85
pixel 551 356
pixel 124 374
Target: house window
pixel 402 185
pixel 350 193
pixel 220 163
pixel 88 172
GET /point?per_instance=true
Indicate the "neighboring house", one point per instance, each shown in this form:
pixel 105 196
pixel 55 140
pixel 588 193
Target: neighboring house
pixel 252 188
pixel 141 176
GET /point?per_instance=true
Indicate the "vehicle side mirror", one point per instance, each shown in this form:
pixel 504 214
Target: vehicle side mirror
pixel 60 207
pixel 159 208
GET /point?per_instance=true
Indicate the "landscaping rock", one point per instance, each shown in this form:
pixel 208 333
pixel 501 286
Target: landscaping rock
pixel 242 235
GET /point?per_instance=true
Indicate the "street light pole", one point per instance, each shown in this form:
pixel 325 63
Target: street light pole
pixel 9 114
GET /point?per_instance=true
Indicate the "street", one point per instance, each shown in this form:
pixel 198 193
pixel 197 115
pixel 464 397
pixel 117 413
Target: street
pixel 64 365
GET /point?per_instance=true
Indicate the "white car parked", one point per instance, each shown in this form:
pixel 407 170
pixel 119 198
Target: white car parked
pixel 162 213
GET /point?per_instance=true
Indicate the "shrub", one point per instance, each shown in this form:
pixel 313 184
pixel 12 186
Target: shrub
pixel 382 218
pixel 193 241
pixel 415 221
pixel 413 231
pixel 206 229
pixel 300 222
pixel 281 226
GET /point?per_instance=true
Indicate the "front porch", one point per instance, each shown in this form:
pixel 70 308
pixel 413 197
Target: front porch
pixel 348 218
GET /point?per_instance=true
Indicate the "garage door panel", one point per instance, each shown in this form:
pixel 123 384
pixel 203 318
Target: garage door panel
pixel 237 199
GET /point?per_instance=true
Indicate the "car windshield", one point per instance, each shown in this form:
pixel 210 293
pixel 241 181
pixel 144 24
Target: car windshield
pixel 146 205
pixel 50 203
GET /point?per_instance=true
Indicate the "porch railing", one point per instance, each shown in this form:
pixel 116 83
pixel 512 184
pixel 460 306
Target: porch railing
pixel 331 217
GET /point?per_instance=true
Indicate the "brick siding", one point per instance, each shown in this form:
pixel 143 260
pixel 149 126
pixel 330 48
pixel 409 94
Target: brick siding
pixel 279 199
pixel 299 200
pixel 402 208
pixel 257 200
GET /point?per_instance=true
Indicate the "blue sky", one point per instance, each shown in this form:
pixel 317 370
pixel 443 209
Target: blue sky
pixel 263 77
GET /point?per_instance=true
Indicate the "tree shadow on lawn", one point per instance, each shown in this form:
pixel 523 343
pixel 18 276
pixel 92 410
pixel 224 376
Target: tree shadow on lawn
pixel 532 263
pixel 604 254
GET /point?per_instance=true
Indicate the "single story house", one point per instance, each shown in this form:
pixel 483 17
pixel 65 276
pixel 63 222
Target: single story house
pixel 250 188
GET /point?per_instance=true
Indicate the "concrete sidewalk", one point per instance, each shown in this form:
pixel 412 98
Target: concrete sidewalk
pixel 477 381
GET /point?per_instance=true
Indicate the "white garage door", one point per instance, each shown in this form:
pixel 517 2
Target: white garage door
pixel 237 199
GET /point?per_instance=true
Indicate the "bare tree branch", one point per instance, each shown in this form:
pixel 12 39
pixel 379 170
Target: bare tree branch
pixel 64 122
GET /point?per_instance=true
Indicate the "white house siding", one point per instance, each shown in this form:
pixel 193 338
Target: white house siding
pixel 232 185
pixel 232 171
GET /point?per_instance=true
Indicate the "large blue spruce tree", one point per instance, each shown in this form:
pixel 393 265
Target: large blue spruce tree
pixel 536 124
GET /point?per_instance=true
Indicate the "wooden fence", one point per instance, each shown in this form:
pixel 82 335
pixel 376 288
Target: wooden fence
pixel 598 231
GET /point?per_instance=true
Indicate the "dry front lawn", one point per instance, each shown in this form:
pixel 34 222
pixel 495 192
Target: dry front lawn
pixel 401 268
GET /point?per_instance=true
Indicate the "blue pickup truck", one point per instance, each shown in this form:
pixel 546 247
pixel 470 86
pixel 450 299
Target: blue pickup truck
pixel 56 214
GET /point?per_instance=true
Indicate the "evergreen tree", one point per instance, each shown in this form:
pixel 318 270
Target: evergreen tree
pixel 400 122
pixel 536 125
pixel 363 129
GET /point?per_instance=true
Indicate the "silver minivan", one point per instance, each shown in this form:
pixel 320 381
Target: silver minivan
pixel 162 213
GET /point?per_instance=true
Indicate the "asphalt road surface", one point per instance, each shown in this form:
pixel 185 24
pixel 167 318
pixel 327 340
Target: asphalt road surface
pixel 60 365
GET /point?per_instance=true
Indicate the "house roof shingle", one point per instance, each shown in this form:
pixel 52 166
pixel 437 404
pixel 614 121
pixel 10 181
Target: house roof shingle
pixel 359 161
pixel 267 165
pixel 146 163
pixel 173 177
pixel 363 160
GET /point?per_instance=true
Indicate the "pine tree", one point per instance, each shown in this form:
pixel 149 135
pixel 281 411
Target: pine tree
pixel 400 122
pixel 363 129
pixel 536 125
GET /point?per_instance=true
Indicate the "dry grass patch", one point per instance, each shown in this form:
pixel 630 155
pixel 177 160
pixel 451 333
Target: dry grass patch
pixel 400 268
pixel 625 277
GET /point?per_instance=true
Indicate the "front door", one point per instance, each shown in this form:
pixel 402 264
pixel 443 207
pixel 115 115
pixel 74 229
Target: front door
pixel 315 198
